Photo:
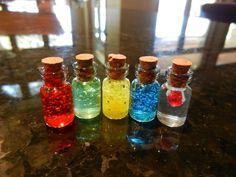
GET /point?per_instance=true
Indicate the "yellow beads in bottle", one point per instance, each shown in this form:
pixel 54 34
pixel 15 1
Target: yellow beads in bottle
pixel 115 97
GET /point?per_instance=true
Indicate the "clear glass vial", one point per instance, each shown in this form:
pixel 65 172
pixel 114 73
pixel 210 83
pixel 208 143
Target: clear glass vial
pixel 86 88
pixel 116 88
pixel 56 94
pixel 175 94
pixel 145 90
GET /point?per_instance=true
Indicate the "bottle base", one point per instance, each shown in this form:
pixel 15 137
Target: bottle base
pixel 59 121
pixel 140 116
pixel 170 120
pixel 88 114
pixel 115 118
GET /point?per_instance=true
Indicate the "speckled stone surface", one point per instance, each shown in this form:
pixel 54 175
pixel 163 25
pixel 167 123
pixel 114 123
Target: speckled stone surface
pixel 204 147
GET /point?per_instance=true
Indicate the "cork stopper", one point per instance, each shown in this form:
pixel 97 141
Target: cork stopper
pixel 180 65
pixel 53 71
pixel 116 60
pixel 52 64
pixel 117 66
pixel 180 68
pixel 84 60
pixel 148 62
pixel 147 71
pixel 52 60
pixel 84 69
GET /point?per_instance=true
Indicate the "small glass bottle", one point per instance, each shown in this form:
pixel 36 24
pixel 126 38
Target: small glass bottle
pixel 175 94
pixel 86 88
pixel 116 88
pixel 145 90
pixel 56 94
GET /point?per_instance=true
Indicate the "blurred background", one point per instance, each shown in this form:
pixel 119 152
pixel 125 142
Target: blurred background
pixel 33 29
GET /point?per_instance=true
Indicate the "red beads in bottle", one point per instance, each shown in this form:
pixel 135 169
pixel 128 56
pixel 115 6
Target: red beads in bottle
pixel 56 95
pixel 175 98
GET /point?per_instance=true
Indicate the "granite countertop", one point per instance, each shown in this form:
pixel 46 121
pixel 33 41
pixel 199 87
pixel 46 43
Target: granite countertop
pixel 204 147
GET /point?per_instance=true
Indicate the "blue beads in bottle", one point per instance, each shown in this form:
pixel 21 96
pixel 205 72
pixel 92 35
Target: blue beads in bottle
pixel 144 101
pixel 145 90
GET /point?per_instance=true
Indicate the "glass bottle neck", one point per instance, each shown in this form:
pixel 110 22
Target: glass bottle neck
pixel 117 73
pixel 84 74
pixel 147 76
pixel 169 86
pixel 53 76
pixel 54 79
pixel 85 79
pixel 178 81
pixel 116 79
